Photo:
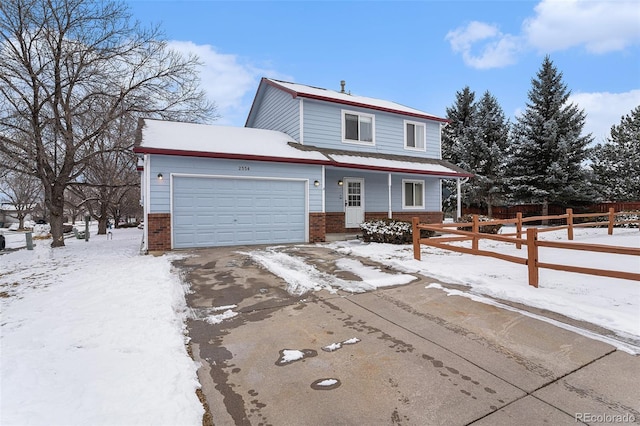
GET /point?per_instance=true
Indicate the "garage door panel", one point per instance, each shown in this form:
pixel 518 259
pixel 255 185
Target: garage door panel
pixel 225 219
pixel 243 202
pixel 222 238
pixel 223 201
pixel 263 220
pixel 227 211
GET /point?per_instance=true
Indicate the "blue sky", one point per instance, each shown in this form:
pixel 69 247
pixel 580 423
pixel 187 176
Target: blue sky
pixel 417 53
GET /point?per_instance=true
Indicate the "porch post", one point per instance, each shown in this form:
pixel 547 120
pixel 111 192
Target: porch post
pixel 390 213
pixel 323 190
pixel 459 204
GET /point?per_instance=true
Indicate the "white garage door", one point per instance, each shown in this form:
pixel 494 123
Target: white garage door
pixel 230 211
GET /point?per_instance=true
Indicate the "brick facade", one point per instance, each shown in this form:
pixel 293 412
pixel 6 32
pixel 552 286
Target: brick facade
pixel 334 222
pixel 317 227
pixel 159 226
pixel 425 217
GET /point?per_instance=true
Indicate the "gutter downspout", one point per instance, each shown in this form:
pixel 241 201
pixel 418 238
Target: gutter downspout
pixel 146 173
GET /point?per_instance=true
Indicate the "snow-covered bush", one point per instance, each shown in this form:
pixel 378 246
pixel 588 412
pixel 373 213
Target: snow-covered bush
pixel 389 231
pixel 42 231
pixel 635 215
pixel 486 229
pixel 632 215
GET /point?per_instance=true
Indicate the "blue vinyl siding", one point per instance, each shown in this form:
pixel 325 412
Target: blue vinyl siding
pixel 323 128
pixel 322 124
pixel 376 190
pixel 160 193
pixel 278 110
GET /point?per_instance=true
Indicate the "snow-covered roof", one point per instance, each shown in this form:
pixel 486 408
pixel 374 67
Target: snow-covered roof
pixel 170 137
pixel 302 90
pixel 8 207
pixel 391 163
pixel 200 140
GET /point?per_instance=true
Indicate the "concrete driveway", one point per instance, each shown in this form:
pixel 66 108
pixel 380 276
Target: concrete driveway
pixel 404 355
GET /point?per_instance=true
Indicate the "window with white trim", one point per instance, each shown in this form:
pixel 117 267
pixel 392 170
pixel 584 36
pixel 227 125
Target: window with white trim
pixel 414 136
pixel 358 127
pixel 413 194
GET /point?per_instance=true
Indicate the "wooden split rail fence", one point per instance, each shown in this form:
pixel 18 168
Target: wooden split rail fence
pixel 530 239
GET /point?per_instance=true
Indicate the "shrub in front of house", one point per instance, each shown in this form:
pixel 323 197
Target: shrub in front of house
pixel 389 231
pixel 484 229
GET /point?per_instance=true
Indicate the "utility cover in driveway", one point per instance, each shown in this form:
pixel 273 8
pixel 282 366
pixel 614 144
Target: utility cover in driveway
pixel 211 212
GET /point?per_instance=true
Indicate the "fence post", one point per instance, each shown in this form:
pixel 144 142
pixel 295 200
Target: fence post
pixel 476 230
pixel 416 237
pixel 532 256
pixel 612 219
pixel 570 224
pixel 519 230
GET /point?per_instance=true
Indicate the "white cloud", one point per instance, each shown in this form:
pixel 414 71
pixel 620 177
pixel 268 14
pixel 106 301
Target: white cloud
pixel 499 49
pixel 227 80
pixel 605 109
pixel 601 26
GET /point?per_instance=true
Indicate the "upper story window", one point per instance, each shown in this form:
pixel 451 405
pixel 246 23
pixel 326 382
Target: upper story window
pixel 358 127
pixel 414 136
pixel 412 194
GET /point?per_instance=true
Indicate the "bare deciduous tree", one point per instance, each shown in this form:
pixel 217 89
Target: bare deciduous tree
pixel 69 70
pixel 111 175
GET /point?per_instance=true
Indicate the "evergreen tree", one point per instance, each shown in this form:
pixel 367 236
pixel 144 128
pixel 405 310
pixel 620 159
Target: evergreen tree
pixel 485 154
pixel 548 147
pixel 616 163
pixel 475 140
pixel 455 137
pixel 456 134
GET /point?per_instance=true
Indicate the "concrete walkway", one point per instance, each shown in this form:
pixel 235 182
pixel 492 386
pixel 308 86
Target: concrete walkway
pixel 406 355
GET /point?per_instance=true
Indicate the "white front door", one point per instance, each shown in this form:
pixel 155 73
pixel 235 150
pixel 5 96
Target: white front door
pixel 353 202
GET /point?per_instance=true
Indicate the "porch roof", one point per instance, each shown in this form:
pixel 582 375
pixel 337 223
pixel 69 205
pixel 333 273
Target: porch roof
pixel 387 162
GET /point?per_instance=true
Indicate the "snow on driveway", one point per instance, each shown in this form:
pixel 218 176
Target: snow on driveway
pixel 302 278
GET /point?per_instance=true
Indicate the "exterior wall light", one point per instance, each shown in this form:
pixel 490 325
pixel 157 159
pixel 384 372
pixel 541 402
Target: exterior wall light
pixel 316 183
pixel 160 177
pixel 340 183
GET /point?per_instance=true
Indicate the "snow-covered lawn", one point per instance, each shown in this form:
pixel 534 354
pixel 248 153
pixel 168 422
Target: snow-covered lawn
pixel 93 333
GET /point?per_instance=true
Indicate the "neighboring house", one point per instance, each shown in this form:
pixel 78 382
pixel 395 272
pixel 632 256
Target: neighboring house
pixel 308 163
pixel 8 215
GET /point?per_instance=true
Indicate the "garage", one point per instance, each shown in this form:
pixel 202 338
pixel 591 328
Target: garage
pixel 227 211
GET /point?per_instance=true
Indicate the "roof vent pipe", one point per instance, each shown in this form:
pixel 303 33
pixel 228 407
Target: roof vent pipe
pixel 342 83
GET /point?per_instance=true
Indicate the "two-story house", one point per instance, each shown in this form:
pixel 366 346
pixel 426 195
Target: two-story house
pixel 309 162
